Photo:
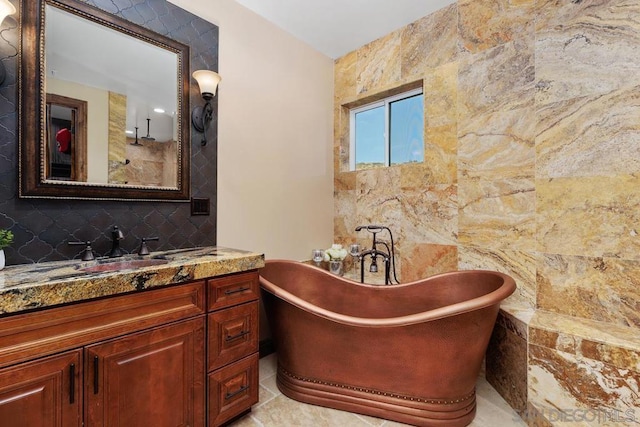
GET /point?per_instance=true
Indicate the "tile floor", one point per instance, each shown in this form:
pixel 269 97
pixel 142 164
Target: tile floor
pixel 276 410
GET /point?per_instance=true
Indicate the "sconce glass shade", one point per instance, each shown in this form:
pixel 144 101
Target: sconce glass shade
pixel 6 9
pixel 208 82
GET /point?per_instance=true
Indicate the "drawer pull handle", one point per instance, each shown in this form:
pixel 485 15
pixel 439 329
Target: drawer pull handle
pixel 237 392
pixel 96 373
pixel 235 291
pixel 236 336
pixel 72 383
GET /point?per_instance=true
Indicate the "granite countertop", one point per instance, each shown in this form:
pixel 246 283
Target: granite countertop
pixel 31 286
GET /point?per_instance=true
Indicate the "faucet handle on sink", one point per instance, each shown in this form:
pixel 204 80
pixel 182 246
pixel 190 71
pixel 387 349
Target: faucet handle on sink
pixel 87 253
pixel 144 250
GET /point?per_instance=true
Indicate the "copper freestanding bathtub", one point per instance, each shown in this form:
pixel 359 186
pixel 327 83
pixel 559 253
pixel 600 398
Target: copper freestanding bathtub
pixel 409 353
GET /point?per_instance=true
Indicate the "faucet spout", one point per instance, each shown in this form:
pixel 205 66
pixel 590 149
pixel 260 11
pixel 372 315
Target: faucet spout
pixel 116 236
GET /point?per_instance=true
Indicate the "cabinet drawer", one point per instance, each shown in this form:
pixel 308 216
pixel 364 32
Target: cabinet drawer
pixel 233 334
pixel 233 389
pixel 232 290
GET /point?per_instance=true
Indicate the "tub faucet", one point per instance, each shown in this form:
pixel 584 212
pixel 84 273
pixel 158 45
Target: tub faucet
pixel 374 253
pixel 116 236
pixel 388 257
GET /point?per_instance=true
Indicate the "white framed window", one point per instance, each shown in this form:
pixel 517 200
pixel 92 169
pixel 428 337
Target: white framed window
pixel 387 132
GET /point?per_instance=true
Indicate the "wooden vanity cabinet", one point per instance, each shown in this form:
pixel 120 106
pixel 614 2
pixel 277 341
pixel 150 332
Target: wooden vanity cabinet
pixel 181 355
pixel 124 361
pixel 233 334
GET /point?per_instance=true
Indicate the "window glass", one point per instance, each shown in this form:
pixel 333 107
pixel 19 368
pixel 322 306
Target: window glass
pixel 388 132
pixel 406 128
pixel 370 138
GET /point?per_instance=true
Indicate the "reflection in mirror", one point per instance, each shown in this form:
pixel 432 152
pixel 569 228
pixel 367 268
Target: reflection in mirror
pixel 66 151
pixel 113 124
pixel 123 81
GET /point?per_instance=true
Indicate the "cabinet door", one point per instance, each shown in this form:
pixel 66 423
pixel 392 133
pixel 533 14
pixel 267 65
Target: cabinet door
pixel 153 378
pixel 42 393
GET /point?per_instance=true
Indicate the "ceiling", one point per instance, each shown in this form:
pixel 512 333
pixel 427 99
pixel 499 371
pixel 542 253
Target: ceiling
pixel 336 27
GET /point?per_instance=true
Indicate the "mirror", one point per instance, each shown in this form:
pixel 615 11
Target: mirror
pixel 104 106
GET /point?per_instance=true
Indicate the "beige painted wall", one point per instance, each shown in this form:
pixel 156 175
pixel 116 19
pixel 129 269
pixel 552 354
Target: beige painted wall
pixel 275 161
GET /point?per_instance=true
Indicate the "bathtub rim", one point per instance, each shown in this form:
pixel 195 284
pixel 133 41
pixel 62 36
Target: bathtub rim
pixel 487 300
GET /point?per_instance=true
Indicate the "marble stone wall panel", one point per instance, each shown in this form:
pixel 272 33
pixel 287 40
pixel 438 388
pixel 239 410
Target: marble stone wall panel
pixel 602 289
pixel 429 42
pixel 147 163
pixel 519 326
pixel 379 199
pixel 498 145
pixel 508 375
pixel 498 79
pixel 567 342
pixel 497 214
pixel 429 215
pixel 344 77
pixel 439 166
pixel 378 182
pixel 344 181
pixel 117 122
pixel 117 167
pixel 560 381
pixel 589 135
pixel 440 154
pixel 440 88
pixel 609 343
pixel 378 64
pixel 422 260
pixel 342 142
pixel 345 214
pixel 340 158
pixel 520 265
pixel 490 23
pixel 586 48
pixel 610 354
pixel 589 216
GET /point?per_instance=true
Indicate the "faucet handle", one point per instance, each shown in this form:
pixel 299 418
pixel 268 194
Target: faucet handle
pixel 87 253
pixel 144 250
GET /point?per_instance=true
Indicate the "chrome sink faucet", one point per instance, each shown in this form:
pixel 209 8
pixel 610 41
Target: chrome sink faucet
pixel 116 236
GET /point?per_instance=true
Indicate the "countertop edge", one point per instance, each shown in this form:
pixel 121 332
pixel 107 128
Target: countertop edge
pixel 60 283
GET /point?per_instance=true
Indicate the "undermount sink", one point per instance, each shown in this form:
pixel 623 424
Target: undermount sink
pixel 123 265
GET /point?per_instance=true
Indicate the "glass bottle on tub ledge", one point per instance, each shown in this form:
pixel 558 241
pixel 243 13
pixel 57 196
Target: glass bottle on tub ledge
pixel 335 267
pixel 335 256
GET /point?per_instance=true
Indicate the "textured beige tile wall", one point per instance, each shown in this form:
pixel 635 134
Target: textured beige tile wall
pixel 532 161
pixel 117 140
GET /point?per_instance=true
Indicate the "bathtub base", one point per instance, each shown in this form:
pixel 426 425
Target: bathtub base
pixel 377 403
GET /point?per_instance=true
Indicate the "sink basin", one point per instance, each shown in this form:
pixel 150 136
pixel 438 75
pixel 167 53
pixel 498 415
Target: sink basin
pixel 123 265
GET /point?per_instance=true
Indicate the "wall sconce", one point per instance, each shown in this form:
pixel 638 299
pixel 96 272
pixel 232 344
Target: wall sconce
pixel 6 9
pixel 201 116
